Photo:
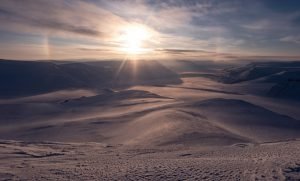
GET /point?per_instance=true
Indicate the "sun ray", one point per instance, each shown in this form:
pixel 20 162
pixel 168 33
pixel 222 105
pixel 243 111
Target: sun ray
pixel 133 39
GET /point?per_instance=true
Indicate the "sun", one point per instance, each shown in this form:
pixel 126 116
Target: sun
pixel 133 39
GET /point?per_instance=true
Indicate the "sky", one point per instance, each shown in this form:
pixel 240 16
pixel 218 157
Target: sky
pixel 150 29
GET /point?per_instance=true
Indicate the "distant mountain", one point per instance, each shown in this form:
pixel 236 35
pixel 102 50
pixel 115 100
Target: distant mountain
pixel 183 66
pixel 144 72
pixel 23 78
pixel 257 70
pixel 282 77
pixel 287 85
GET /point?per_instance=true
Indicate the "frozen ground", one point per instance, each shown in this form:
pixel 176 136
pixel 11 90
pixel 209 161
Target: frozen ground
pixel 95 161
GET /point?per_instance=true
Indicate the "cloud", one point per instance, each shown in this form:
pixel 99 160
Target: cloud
pixel 92 49
pixel 291 39
pixel 197 54
pixel 180 51
pixel 63 26
pixel 189 28
pixel 58 17
pixel 258 25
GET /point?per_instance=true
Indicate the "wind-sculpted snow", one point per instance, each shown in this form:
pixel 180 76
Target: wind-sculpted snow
pixel 200 129
pixel 248 120
pixel 135 117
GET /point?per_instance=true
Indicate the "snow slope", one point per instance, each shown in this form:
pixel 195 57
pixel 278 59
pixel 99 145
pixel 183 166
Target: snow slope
pixel 200 129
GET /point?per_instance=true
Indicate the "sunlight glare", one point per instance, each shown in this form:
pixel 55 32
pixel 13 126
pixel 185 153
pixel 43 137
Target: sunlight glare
pixel 133 39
